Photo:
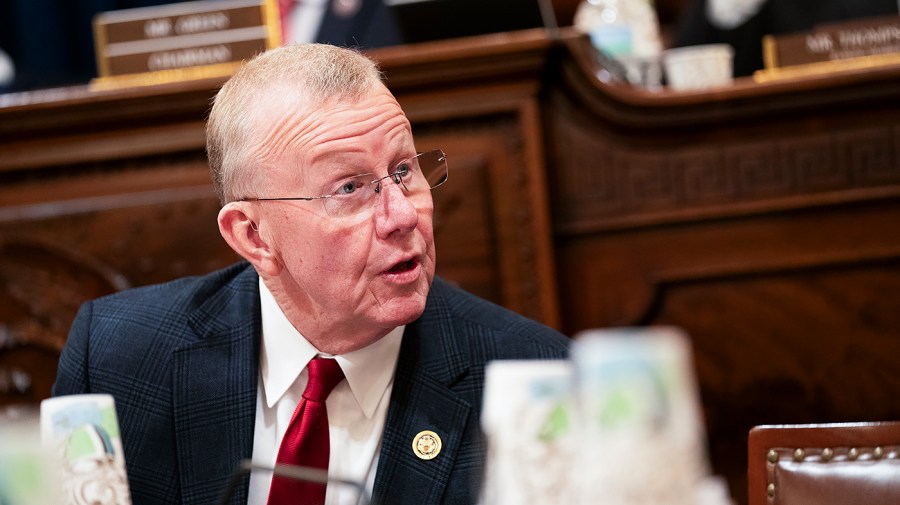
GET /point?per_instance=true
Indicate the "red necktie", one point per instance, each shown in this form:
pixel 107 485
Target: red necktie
pixel 305 442
pixel 285 7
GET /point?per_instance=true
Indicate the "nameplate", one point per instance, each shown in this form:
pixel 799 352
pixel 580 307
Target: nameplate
pixel 183 40
pixel 834 42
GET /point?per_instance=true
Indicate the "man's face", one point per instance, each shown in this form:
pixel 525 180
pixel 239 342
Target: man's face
pixel 345 280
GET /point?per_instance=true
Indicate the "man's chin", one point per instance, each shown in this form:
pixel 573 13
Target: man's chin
pixel 410 310
pixel 403 309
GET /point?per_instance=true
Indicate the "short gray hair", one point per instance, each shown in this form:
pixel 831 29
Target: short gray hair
pixel 321 73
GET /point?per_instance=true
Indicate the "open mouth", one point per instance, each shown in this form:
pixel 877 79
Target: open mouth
pixel 403 266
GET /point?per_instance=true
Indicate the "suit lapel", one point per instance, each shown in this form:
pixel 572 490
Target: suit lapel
pixel 422 399
pixel 215 384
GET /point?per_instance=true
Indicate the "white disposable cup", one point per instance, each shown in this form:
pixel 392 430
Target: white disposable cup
pixel 699 67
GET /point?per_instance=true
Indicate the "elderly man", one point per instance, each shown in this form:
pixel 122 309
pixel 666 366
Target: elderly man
pixel 326 197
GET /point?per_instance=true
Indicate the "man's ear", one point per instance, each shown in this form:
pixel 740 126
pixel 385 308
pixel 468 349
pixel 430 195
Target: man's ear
pixel 239 226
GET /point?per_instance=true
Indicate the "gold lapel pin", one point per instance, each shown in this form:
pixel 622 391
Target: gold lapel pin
pixel 426 445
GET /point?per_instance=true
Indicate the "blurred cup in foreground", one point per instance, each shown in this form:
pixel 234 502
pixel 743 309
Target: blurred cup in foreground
pixel 640 412
pixel 528 419
pixel 82 432
pixel 699 67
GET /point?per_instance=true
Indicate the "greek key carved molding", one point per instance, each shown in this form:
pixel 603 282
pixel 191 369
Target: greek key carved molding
pixel 601 181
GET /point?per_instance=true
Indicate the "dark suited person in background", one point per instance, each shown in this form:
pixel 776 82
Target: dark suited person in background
pixel 327 198
pixel 363 24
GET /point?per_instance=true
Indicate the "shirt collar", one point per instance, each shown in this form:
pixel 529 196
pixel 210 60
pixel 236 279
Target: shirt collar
pixel 286 352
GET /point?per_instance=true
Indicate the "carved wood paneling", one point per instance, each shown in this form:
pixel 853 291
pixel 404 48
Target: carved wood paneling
pixel 606 183
pixel 488 227
pixel 464 231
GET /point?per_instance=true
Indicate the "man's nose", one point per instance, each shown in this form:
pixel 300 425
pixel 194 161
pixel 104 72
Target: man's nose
pixel 394 211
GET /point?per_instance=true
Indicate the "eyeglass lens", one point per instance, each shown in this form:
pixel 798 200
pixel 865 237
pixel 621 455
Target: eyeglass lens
pixel 416 175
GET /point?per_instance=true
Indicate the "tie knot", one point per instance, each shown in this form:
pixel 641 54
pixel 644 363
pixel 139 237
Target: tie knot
pixel 324 375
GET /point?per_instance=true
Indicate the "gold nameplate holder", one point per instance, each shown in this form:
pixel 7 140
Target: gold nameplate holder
pixel 831 48
pixel 183 41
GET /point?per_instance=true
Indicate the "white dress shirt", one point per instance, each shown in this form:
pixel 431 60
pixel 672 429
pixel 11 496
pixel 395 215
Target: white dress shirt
pixel 357 407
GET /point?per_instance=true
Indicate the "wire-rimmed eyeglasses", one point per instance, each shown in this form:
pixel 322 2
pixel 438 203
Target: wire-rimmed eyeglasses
pixel 352 195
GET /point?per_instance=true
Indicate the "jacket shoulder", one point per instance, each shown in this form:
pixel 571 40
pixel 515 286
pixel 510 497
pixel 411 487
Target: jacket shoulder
pixel 164 310
pixel 179 295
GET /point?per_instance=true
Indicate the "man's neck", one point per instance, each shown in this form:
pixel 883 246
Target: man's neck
pixel 325 333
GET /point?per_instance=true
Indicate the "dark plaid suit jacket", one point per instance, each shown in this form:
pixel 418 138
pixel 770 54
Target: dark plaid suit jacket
pixel 182 362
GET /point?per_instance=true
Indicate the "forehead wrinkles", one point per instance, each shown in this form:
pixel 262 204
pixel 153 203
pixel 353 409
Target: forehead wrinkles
pixel 281 130
pixel 293 128
pixel 386 118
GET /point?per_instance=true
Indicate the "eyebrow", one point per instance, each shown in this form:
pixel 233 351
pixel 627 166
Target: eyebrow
pixel 340 164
